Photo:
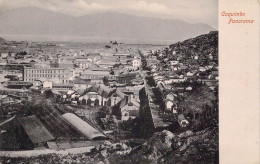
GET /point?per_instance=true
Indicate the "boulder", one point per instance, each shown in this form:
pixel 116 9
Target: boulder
pixel 103 153
pixel 186 134
pixel 162 140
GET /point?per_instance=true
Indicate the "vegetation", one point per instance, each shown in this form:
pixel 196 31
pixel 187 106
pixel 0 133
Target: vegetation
pixel 198 99
pixel 49 94
pixel 106 81
pixel 150 81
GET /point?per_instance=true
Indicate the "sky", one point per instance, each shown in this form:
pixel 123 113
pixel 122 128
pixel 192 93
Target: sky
pixel 192 11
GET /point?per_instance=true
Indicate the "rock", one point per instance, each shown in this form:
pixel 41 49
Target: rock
pixel 102 147
pixel 107 143
pixel 100 162
pixel 162 140
pixel 206 140
pixel 183 147
pixel 186 134
pixel 104 153
pixel 123 146
pixel 114 146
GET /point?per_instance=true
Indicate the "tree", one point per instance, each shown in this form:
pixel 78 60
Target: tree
pixel 111 72
pixel 198 101
pixel 49 94
pixel 106 81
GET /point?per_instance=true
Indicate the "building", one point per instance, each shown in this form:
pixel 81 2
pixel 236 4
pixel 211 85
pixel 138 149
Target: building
pixel 82 83
pixel 4 55
pixel 89 131
pixel 96 76
pixel 106 63
pixel 169 100
pixel 129 108
pixel 58 86
pixel 82 62
pixel 101 95
pixel 126 78
pixel 136 63
pixel 35 130
pixel 37 73
pixel 18 84
pixel 174 62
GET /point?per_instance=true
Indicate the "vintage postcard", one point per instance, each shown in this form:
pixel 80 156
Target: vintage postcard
pixel 141 81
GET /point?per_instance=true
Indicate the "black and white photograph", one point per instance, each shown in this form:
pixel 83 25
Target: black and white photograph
pixel 109 82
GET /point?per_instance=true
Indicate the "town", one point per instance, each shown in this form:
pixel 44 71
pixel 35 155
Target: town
pixel 133 102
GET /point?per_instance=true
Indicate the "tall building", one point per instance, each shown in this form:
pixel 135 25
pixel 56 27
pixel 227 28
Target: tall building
pixel 59 75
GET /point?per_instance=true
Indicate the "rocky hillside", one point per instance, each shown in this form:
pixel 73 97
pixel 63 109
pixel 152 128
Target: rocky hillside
pixel 200 46
pixel 162 147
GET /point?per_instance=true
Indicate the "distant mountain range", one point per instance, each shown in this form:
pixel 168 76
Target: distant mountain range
pixel 43 23
pixel 2 39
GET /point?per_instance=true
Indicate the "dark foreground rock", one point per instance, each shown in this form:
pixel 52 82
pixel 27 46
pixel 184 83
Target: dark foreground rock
pixel 162 147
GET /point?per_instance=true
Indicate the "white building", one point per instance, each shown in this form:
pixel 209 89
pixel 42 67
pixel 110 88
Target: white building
pixel 136 63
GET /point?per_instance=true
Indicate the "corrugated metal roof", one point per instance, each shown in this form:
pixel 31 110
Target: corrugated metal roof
pixel 89 131
pixel 35 129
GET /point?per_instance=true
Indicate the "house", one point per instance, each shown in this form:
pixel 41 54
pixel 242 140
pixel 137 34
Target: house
pixel 37 83
pixel 129 114
pixel 174 80
pixel 129 67
pixel 82 62
pixel 4 55
pixel 129 108
pixel 183 67
pixel 136 63
pixel 5 99
pixel 190 76
pixel 211 57
pixel 202 69
pixel 174 68
pixel 170 101
pixel 174 62
pixel 60 95
pixel 77 72
pixel 47 84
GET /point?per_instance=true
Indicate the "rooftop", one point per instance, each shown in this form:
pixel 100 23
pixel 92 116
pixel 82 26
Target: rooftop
pixel 35 129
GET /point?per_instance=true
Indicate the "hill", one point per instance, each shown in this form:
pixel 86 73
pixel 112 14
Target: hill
pixel 32 21
pixel 201 46
pixel 2 39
